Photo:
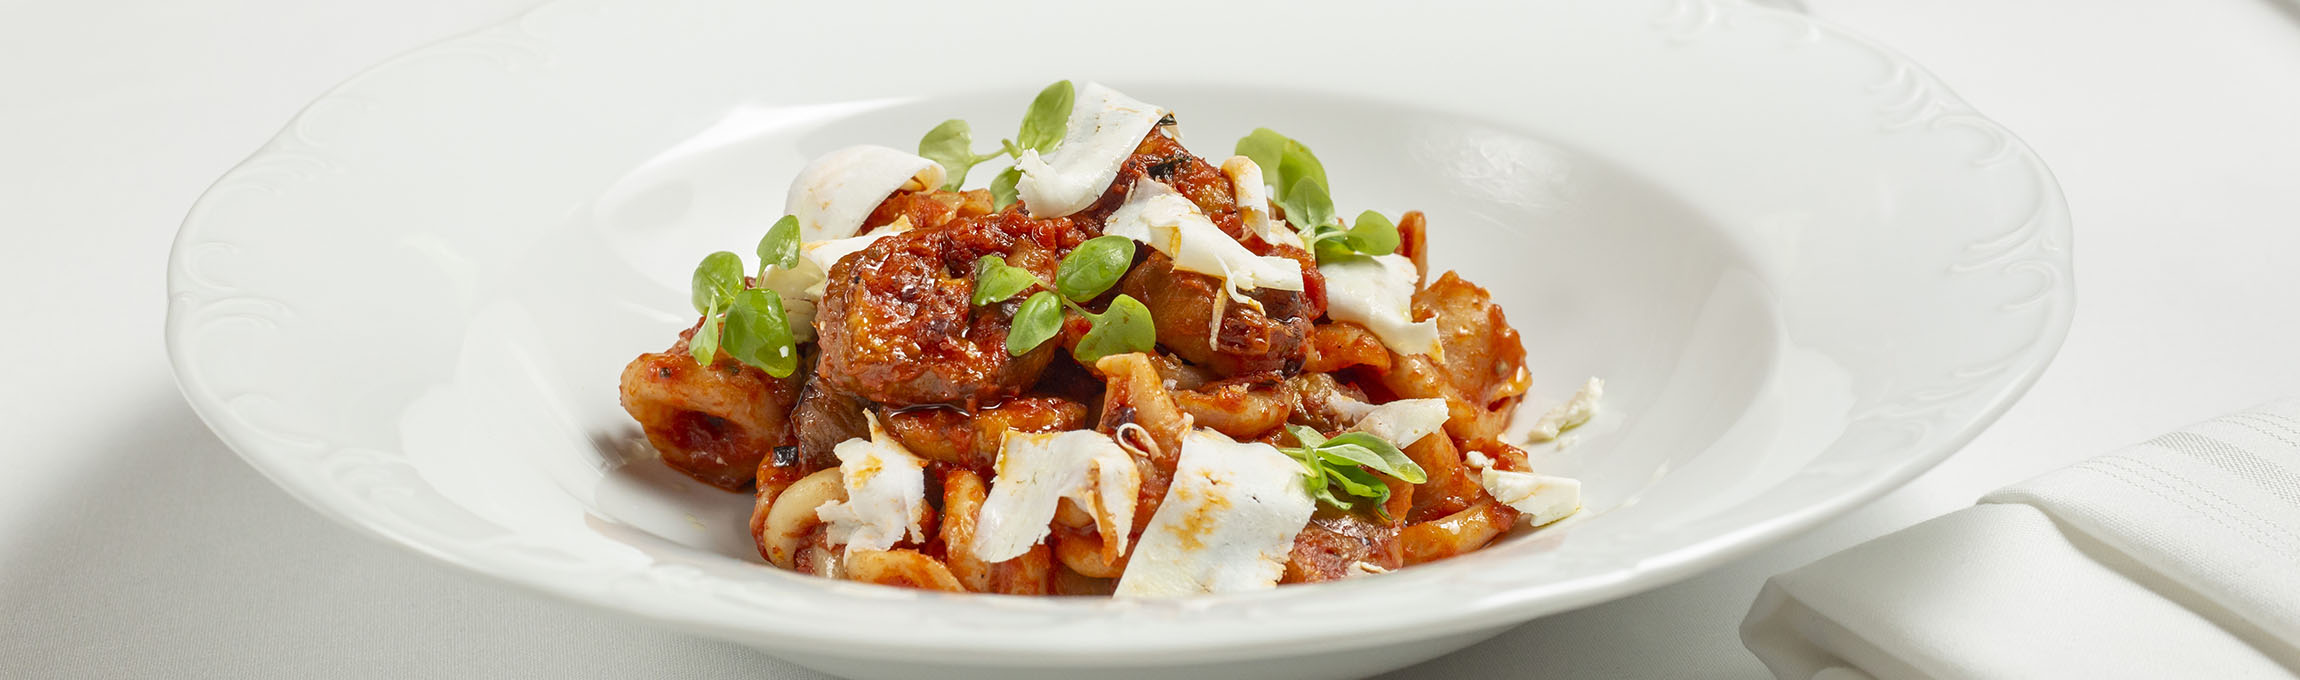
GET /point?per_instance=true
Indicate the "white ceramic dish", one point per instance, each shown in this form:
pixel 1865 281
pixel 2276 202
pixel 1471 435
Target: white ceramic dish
pixel 1807 271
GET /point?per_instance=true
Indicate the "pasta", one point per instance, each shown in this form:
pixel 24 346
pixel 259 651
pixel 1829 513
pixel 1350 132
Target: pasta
pixel 1143 386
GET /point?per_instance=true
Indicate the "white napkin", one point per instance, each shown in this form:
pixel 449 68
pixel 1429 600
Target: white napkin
pixel 2175 558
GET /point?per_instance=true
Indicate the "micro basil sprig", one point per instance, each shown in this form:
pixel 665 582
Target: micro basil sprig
pixel 780 247
pixel 747 323
pixel 1342 463
pixel 1301 190
pixel 1084 274
pixel 952 142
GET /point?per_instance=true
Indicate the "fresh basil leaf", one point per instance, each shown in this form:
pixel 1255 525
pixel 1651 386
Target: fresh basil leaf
pixel 995 280
pixel 1307 205
pixel 1035 322
pixel 1324 493
pixel 1284 162
pixel 704 344
pixel 1373 234
pixel 1048 118
pixel 1374 452
pixel 1356 481
pixel 1332 249
pixel 1266 148
pixel 952 145
pixel 1002 191
pixel 715 281
pixel 1304 435
pixel 1124 327
pixel 759 334
pixel 1093 267
pixel 780 247
pixel 1298 165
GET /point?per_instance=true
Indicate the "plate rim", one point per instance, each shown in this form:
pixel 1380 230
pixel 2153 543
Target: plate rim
pixel 1669 567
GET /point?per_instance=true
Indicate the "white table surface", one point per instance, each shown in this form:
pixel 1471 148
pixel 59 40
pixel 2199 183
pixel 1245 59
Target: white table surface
pixel 133 543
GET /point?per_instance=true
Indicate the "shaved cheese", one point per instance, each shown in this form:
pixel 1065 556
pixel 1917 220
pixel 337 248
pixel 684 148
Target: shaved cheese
pixel 1228 523
pixel 1378 293
pixel 1153 214
pixel 803 285
pixel 1253 199
pixel 1570 414
pixel 886 493
pixel 1105 126
pixel 1542 498
pixel 1476 459
pixel 1404 421
pixel 1036 471
pixel 838 190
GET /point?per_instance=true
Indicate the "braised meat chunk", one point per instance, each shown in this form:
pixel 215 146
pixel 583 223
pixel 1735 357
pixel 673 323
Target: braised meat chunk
pixel 1245 341
pixel 896 327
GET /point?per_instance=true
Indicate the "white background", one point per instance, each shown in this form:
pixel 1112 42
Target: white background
pixel 132 543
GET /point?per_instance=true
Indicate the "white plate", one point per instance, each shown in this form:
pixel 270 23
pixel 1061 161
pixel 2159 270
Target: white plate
pixel 1807 271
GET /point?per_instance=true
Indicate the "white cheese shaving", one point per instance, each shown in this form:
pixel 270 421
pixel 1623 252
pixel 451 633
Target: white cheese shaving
pixel 1153 214
pixel 886 493
pixel 1570 414
pixel 1105 127
pixel 1227 524
pixel 1253 198
pixel 1476 459
pixel 1364 568
pixel 1378 293
pixel 1542 498
pixel 1036 471
pixel 1404 421
pixel 838 190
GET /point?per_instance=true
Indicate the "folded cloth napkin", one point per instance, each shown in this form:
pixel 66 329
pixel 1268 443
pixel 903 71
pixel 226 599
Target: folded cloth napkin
pixel 2175 558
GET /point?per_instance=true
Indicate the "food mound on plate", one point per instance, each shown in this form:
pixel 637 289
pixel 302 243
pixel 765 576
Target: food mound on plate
pixel 1120 369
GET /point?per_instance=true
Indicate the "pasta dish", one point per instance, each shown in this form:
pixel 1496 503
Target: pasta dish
pixel 1117 369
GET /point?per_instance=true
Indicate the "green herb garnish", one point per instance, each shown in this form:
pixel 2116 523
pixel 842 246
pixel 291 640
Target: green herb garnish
pixel 780 247
pixel 749 323
pixel 1085 273
pixel 995 280
pixel 1341 465
pixel 952 142
pixel 1002 188
pixel 759 334
pixel 1036 321
pixel 1299 180
pixel 1094 266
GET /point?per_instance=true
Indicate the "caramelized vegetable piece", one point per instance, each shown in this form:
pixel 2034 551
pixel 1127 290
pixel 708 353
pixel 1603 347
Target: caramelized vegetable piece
pixel 1325 404
pixel 1335 542
pixel 953 436
pixel 1247 341
pixel 1162 158
pixel 713 423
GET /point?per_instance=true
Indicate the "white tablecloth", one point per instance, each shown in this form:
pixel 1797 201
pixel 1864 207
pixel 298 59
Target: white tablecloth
pixel 132 543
